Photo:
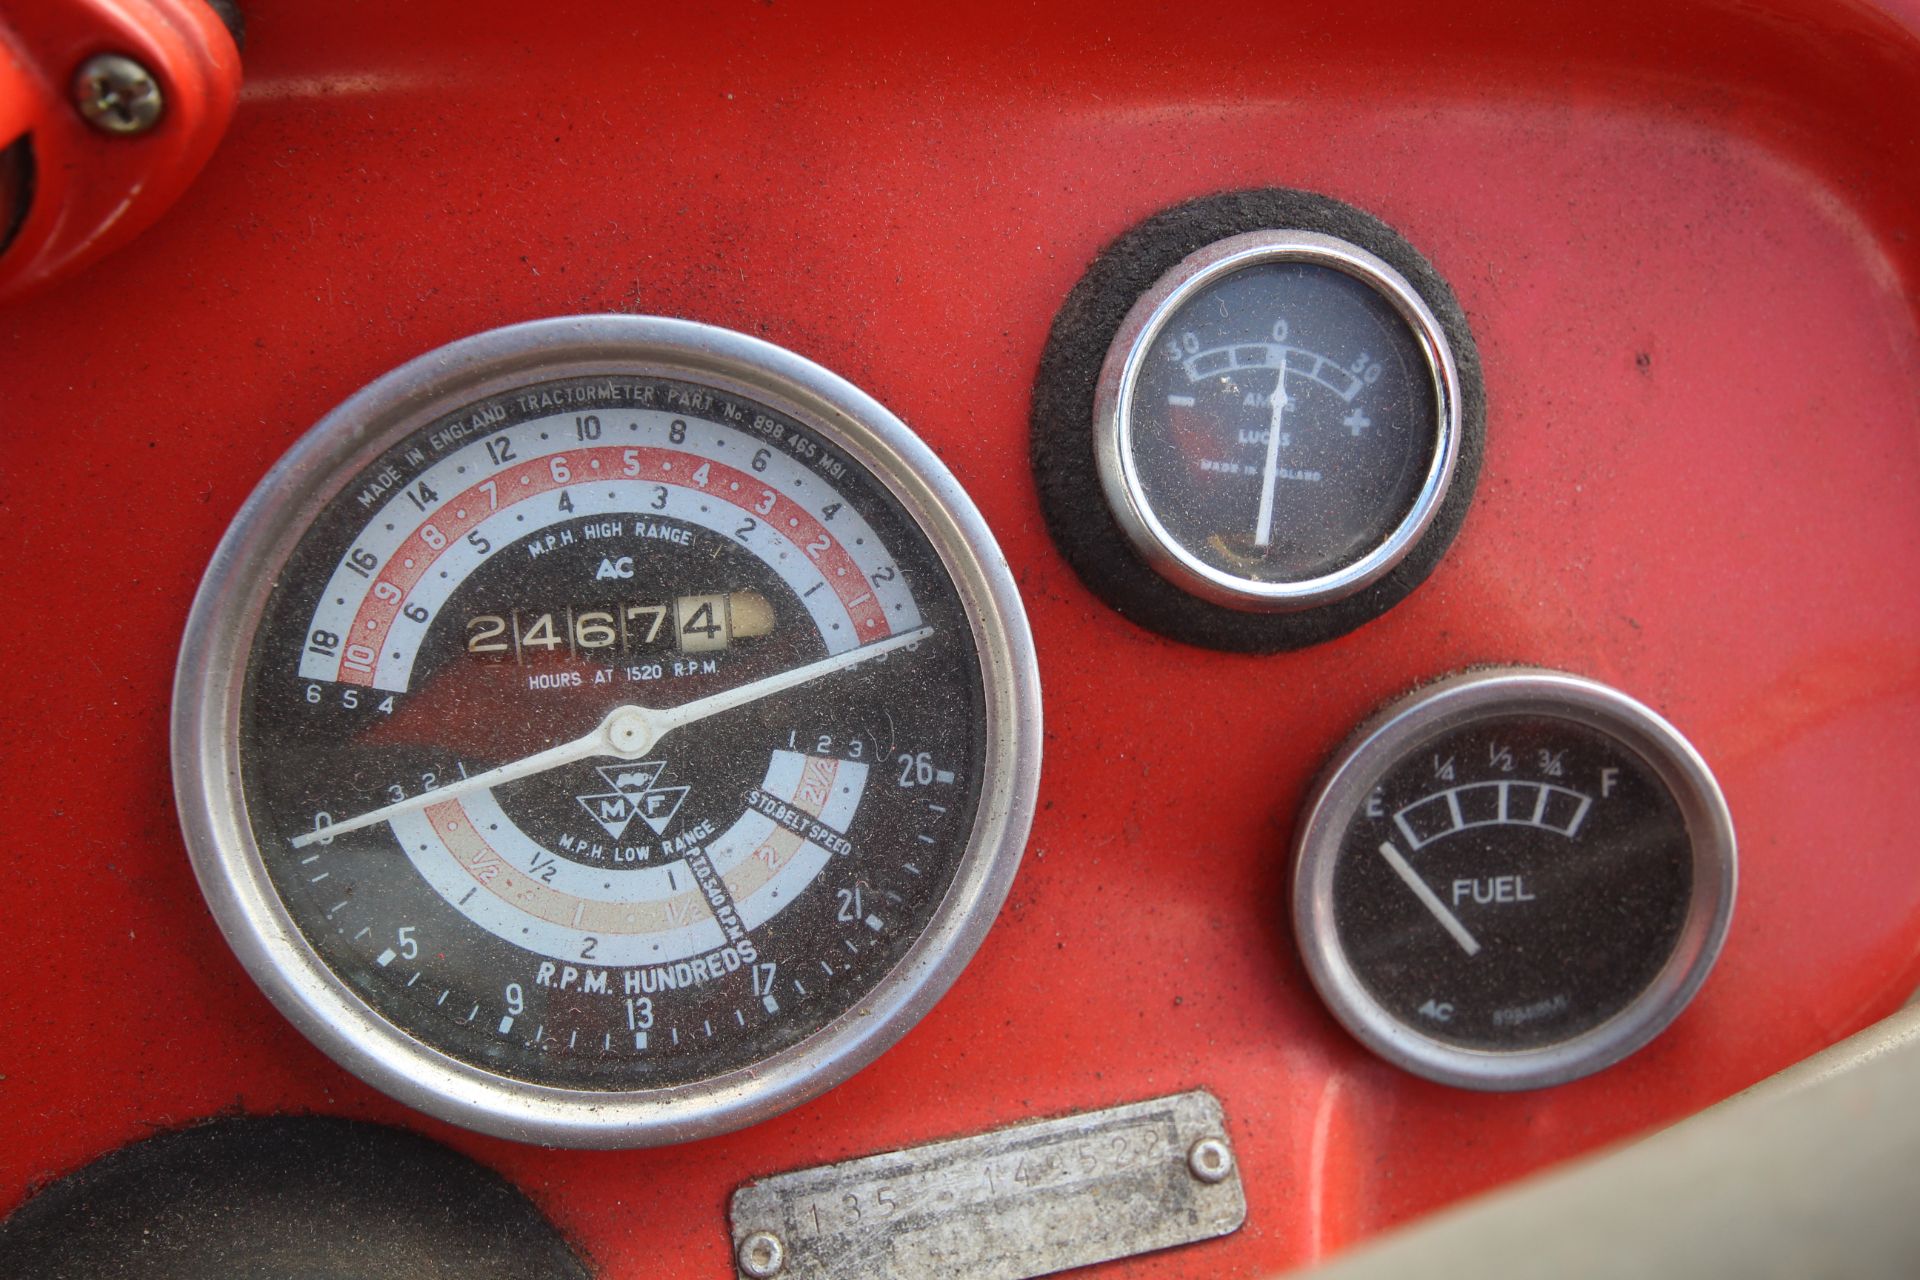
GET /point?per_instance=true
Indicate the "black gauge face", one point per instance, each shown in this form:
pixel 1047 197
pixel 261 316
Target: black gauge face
pixel 1283 422
pixel 1513 883
pixel 613 733
pixel 1286 421
pixel 1277 425
pixel 1513 878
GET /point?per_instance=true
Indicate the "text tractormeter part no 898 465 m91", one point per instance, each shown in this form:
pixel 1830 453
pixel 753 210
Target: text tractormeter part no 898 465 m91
pixel 607 731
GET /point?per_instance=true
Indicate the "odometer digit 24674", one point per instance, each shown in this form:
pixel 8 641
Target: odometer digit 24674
pixel 606 731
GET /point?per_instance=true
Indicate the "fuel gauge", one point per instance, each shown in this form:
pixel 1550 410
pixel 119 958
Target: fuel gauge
pixel 1513 878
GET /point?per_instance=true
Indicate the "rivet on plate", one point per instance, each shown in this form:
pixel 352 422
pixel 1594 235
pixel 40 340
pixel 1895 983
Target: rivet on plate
pixel 761 1255
pixel 1209 1160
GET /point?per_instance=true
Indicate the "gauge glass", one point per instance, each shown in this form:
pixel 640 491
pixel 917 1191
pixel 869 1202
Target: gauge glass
pixel 1278 421
pixel 630 735
pixel 1514 879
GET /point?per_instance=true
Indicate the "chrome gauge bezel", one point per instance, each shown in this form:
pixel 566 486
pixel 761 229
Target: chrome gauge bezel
pixel 1114 424
pixel 228 611
pixel 1404 726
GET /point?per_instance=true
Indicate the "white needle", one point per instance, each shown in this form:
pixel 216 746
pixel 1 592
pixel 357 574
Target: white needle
pixel 1263 528
pixel 628 732
pixel 754 690
pixel 1430 899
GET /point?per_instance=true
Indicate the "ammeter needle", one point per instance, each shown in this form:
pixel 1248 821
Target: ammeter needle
pixel 1277 407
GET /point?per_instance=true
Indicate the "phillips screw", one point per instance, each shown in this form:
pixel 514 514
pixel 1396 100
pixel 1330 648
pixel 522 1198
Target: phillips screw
pixel 117 95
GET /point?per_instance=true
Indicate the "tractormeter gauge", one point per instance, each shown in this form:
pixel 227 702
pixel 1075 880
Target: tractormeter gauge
pixel 1278 420
pixel 1258 421
pixel 1513 878
pixel 606 731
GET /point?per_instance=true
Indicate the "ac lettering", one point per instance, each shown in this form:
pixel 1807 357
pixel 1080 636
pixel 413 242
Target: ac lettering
pixel 612 567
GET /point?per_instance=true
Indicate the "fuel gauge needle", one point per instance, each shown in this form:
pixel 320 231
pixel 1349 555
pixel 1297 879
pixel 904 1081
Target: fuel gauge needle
pixel 627 732
pixel 1428 898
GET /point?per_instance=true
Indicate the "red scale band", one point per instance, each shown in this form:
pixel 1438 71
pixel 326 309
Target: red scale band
pixel 458 516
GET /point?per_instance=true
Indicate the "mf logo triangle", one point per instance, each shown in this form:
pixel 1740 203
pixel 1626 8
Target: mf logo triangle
pixel 633 794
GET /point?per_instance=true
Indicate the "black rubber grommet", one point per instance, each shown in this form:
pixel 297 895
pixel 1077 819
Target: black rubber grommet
pixel 1061 420
pixel 269 1197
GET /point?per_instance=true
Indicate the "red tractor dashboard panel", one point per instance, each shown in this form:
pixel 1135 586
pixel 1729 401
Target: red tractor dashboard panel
pixel 899 778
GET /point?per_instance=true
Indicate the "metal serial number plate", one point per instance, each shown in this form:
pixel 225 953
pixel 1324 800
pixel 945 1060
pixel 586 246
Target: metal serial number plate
pixel 1026 1201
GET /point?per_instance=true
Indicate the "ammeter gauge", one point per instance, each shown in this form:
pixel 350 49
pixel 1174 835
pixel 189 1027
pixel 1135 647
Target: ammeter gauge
pixel 606 731
pixel 1284 427
pixel 1513 878
pixel 1277 420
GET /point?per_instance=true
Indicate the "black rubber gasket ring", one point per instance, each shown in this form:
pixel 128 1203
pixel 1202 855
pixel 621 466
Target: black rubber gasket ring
pixel 1061 420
